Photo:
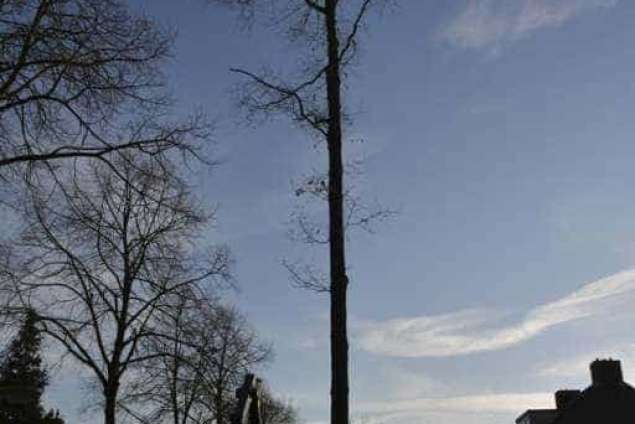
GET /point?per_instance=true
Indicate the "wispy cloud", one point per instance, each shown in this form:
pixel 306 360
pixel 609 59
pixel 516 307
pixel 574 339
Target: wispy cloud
pixel 484 23
pixel 477 330
pixel 495 402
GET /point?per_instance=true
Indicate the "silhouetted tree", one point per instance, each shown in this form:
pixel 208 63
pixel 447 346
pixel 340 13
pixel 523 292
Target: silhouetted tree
pixel 198 368
pixel 275 411
pixel 329 30
pixel 105 259
pixel 23 379
pixel 82 79
pixel 232 349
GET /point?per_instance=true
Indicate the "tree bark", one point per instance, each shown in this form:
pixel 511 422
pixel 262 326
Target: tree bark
pixel 338 277
pixel 220 408
pixel 110 394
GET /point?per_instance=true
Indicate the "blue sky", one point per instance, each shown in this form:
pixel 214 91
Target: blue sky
pixel 503 132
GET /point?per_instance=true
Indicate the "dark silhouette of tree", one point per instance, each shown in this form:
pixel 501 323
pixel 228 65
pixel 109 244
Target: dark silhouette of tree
pixel 82 79
pixel 275 411
pixel 232 349
pixel 254 404
pixel 329 30
pixel 22 378
pixel 198 368
pixel 105 259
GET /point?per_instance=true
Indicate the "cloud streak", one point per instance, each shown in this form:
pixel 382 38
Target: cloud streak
pixel 477 330
pixel 496 402
pixel 483 23
pixel 469 409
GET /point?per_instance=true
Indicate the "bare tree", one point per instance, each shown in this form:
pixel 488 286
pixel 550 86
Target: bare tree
pixel 329 31
pixel 237 351
pixel 275 411
pixel 103 260
pixel 82 78
pixel 165 388
pixel 198 368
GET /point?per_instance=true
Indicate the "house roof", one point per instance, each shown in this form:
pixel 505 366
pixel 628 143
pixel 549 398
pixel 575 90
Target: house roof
pixel 608 400
pixel 537 416
pixel 601 403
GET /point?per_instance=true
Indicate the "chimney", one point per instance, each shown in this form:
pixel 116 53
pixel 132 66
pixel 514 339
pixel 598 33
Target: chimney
pixel 564 398
pixel 606 372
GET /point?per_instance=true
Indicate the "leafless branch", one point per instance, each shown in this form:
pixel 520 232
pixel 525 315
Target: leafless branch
pixel 82 79
pixel 307 277
pixel 104 260
pixel 194 373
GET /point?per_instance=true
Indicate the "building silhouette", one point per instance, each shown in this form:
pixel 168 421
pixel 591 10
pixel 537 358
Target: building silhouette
pixel 608 400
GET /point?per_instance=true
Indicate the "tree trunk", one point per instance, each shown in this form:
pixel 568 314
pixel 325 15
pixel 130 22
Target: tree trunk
pixel 110 395
pixel 220 409
pixel 339 280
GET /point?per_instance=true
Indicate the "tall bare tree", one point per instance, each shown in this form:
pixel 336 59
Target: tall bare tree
pixel 329 30
pixel 103 260
pixel 82 78
pixel 198 368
